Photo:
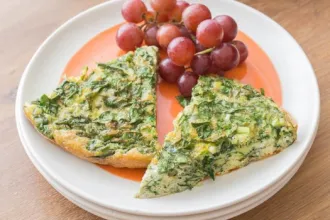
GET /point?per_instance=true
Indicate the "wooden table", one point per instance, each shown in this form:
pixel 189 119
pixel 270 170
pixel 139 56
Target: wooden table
pixel 25 194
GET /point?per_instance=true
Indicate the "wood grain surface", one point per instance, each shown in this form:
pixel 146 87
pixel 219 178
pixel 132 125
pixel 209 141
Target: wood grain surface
pixel 25 194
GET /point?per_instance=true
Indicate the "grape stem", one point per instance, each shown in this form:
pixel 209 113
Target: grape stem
pixel 146 20
pixel 177 23
pixel 193 38
pixel 156 17
pixel 209 50
pixel 142 26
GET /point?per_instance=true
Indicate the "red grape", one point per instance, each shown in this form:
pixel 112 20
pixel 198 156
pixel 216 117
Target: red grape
pixel 242 49
pixel 150 17
pixel 176 14
pixel 194 14
pixel 209 33
pixel 182 4
pixel 162 17
pixel 225 57
pixel 169 71
pixel 229 27
pixel 150 35
pixel 166 34
pixel 163 5
pixel 186 83
pixel 133 10
pixel 215 70
pixel 184 31
pixel 200 64
pixel 129 36
pixel 181 50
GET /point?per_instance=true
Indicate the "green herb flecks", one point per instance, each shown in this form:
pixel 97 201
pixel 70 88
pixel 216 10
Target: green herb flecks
pixel 113 106
pixel 182 100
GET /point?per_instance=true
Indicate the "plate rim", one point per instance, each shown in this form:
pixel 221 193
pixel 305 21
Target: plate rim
pixel 262 197
pixel 86 196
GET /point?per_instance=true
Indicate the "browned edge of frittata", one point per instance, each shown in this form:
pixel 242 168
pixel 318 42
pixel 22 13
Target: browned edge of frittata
pixel 76 145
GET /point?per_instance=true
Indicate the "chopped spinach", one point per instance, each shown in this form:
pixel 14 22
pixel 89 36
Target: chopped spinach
pixel 182 100
pixel 225 126
pixel 66 90
pixel 207 164
pixel 204 130
pixel 106 106
pixel 262 91
pixel 48 106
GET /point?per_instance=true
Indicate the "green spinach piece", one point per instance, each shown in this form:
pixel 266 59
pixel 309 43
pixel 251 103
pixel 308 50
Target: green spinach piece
pixel 207 163
pixel 204 130
pixel 183 101
pixel 73 121
pixel 47 105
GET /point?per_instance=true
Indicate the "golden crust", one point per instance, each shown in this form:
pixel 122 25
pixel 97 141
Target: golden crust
pixel 290 119
pixel 71 142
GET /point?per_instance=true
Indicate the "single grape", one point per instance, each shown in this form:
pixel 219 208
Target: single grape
pixel 176 14
pixel 209 33
pixel 242 49
pixel 199 47
pixel 166 34
pixel 184 31
pixel 182 4
pixel 194 14
pixel 186 83
pixel 181 50
pixel 226 56
pixel 215 70
pixel 169 71
pixel 200 64
pixel 229 27
pixel 162 17
pixel 150 35
pixel 163 5
pixel 129 36
pixel 133 10
pixel 150 17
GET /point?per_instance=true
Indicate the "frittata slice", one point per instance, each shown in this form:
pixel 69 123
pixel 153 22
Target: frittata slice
pixel 225 127
pixel 106 117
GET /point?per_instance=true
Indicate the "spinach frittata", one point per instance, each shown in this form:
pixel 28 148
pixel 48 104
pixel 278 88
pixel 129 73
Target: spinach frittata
pixel 106 117
pixel 225 126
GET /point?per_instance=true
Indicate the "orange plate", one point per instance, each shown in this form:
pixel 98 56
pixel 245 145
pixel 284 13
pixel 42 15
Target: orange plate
pixel 257 71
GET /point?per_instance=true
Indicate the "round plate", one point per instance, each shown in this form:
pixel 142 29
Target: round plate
pixel 300 98
pixel 225 213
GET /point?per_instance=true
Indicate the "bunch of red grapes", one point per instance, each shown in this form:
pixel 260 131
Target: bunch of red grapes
pixel 195 43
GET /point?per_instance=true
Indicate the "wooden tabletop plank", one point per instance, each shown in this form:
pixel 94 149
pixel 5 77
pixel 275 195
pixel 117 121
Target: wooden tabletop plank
pixel 25 194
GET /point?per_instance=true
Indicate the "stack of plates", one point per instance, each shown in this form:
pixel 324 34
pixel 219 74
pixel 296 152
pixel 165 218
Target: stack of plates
pixel 112 197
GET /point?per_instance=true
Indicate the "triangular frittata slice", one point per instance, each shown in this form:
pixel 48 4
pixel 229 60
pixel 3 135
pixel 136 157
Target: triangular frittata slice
pixel 225 127
pixel 106 117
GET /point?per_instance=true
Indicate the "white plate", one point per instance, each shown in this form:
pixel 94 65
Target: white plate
pixel 300 98
pixel 224 213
